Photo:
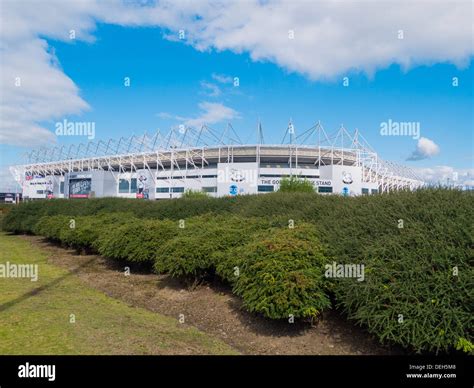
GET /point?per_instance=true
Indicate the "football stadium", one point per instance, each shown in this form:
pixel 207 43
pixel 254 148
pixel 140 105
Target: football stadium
pixel 218 163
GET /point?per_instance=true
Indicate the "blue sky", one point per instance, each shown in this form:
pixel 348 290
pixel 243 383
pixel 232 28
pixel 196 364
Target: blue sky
pixel 176 81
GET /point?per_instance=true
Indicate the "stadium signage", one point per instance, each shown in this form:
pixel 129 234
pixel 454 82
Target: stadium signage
pixel 316 182
pixel 233 190
pixel 321 182
pixel 80 186
pixel 30 177
pixel 32 183
pixel 80 176
pixel 347 178
pixel 237 175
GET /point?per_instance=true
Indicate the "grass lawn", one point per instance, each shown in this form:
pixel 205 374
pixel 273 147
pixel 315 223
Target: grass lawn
pixel 35 316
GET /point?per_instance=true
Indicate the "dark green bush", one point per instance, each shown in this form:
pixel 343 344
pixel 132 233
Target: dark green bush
pixel 280 273
pixel 407 269
pixel 136 240
pixel 4 209
pixel 51 227
pixel 85 231
pixel 174 209
pixel 194 250
pixel 413 278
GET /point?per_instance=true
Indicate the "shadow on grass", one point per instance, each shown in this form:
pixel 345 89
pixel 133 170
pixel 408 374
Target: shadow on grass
pixel 38 290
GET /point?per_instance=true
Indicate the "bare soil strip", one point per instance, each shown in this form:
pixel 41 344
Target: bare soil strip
pixel 214 310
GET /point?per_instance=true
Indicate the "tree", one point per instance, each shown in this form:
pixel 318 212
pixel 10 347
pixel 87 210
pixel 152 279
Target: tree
pixel 296 184
pixel 191 194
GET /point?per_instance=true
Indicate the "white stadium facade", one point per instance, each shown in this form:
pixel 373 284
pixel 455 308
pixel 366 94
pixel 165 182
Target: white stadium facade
pixel 162 167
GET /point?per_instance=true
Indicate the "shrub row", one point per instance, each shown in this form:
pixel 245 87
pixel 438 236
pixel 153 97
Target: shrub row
pixel 195 251
pixel 417 293
pixel 136 240
pixel 280 273
pixel 194 248
pixel 4 209
pixel 417 249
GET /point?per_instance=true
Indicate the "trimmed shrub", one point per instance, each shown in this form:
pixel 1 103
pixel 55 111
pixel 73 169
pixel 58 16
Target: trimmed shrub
pixel 4 209
pixel 193 252
pixel 136 240
pixel 281 273
pixel 171 209
pixel 408 269
pixel 417 292
pixel 409 243
pixel 51 227
pixel 85 231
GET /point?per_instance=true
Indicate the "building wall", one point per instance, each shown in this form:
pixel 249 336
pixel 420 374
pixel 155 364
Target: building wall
pixel 347 180
pixel 90 184
pixel 172 184
pixel 250 178
pixel 237 179
pixel 40 187
pixel 221 179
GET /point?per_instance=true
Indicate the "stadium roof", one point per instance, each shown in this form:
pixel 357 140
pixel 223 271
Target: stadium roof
pixel 183 138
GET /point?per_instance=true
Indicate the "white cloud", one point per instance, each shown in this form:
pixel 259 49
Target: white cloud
pixel 212 113
pixel 330 39
pixel 445 174
pixel 7 183
pixel 34 87
pixel 210 89
pixel 426 148
pixel 219 87
pixel 170 116
pixel 222 78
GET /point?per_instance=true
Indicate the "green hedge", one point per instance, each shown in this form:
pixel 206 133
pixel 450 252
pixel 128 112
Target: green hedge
pixel 51 227
pixel 417 293
pixel 136 240
pixel 297 206
pixel 280 273
pixel 24 216
pixel 4 209
pixel 84 231
pixel 195 250
pixel 408 270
